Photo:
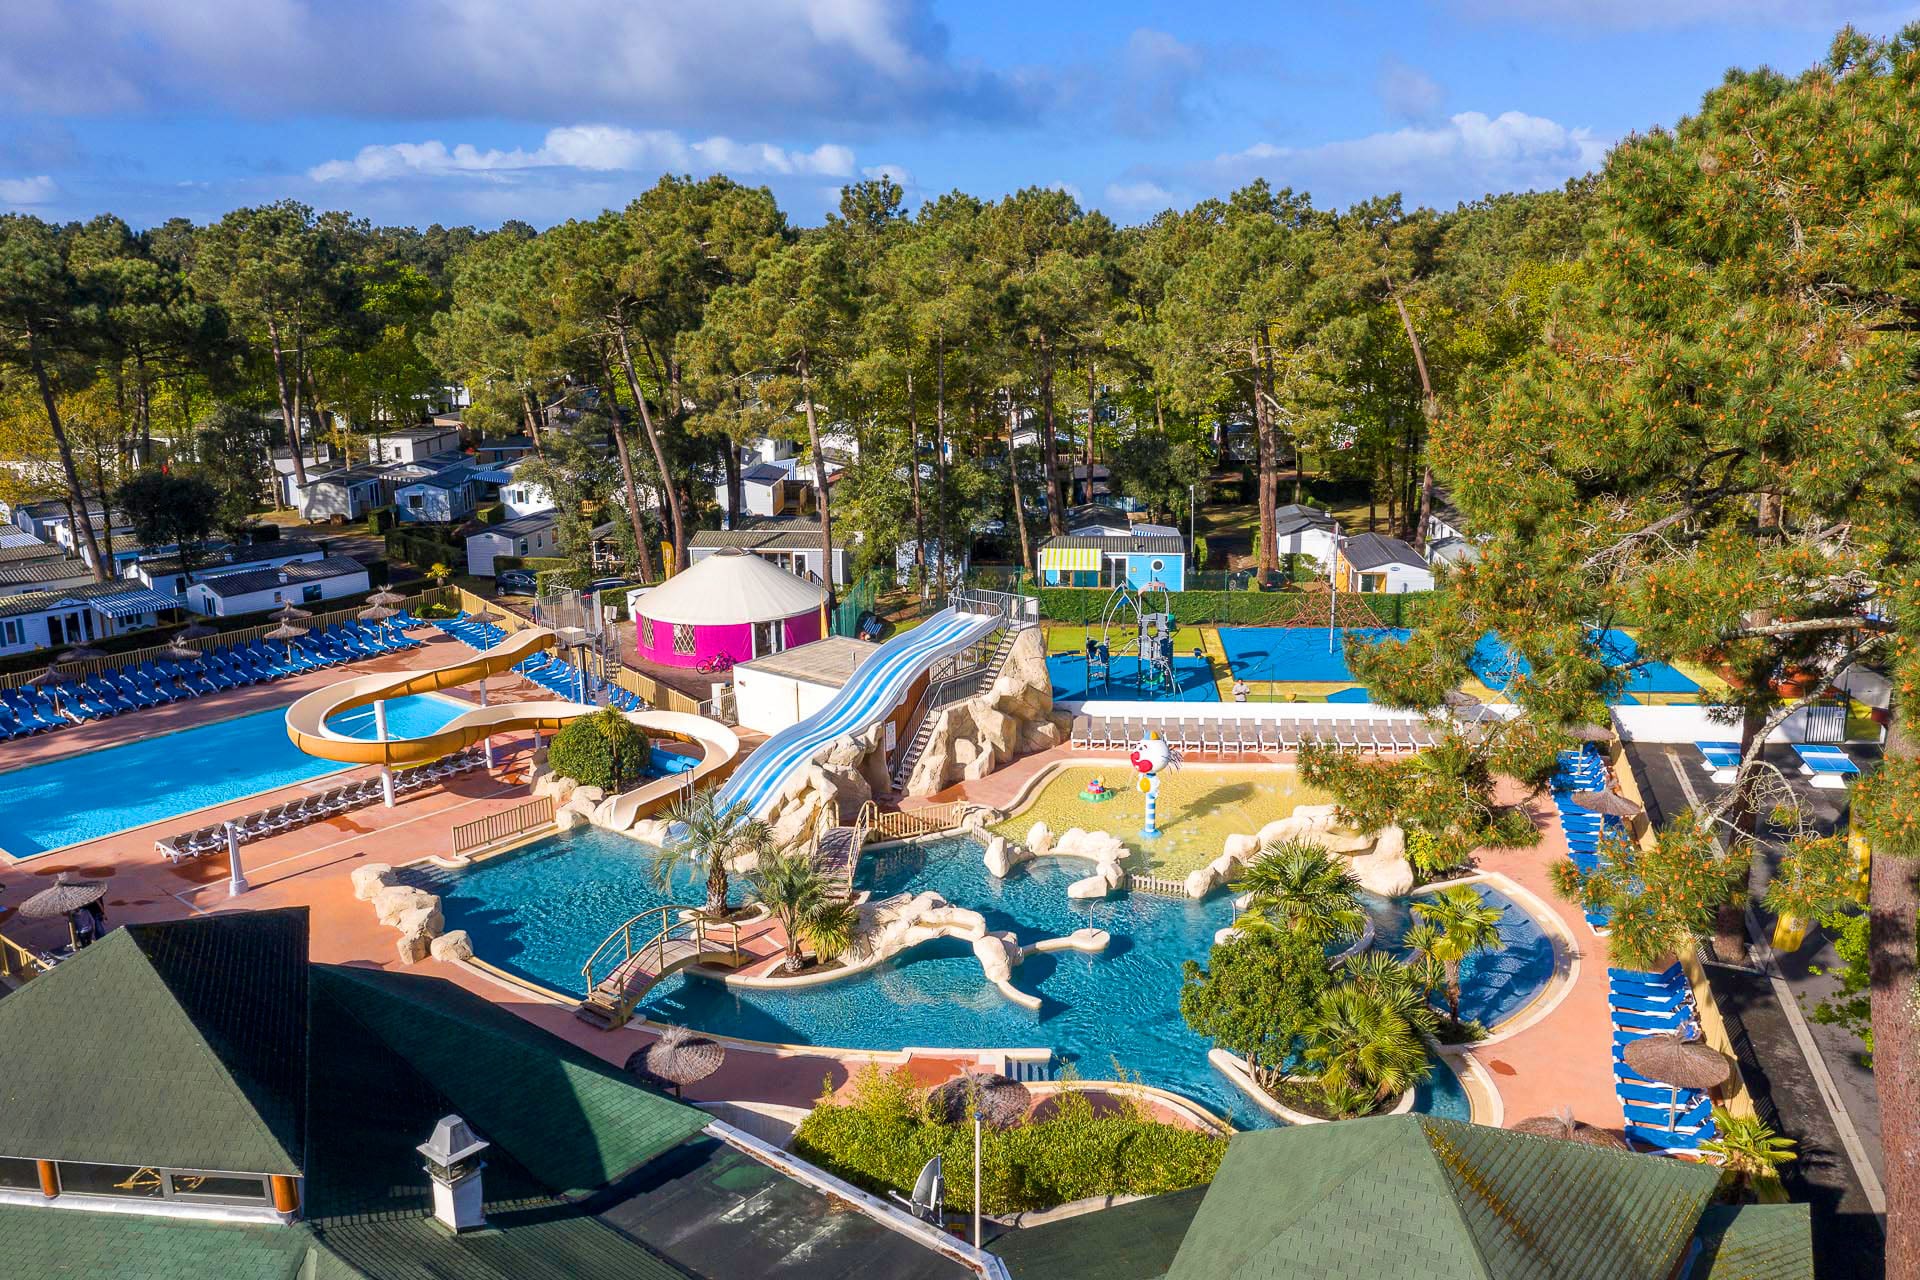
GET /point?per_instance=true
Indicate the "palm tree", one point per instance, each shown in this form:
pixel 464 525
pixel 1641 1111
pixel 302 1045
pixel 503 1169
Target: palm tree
pixel 1748 1148
pixel 1361 1041
pixel 792 889
pixel 1463 924
pixel 702 834
pixel 1304 888
pixel 1404 985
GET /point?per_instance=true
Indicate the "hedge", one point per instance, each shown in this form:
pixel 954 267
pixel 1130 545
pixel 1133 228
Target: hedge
pixel 1242 608
pixel 491 513
pixel 420 547
pixel 1070 1155
pixel 381 519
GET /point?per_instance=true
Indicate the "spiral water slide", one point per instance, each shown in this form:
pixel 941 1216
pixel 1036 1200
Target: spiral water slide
pixel 877 686
pixel 307 718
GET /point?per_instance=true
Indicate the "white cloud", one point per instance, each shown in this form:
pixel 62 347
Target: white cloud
pixel 1070 189
pixel 1137 196
pixel 1408 92
pixel 697 65
pixel 898 172
pixel 1642 14
pixel 18 193
pixel 597 148
pixel 1468 156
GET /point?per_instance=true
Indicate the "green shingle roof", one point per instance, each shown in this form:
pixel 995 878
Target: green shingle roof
pixel 1755 1242
pixel 1442 1199
pixel 162 1046
pixel 37 1242
pixel 1135 1241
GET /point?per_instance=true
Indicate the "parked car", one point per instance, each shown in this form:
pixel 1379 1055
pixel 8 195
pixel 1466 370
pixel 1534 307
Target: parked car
pixel 516 582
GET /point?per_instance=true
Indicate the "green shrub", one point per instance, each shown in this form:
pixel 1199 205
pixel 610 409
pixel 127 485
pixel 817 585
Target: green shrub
pixel 490 513
pixel 381 519
pixel 604 750
pixel 881 1138
pixel 1251 607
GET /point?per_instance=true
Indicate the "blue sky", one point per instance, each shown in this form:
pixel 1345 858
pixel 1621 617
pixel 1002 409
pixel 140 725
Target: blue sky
pixel 417 111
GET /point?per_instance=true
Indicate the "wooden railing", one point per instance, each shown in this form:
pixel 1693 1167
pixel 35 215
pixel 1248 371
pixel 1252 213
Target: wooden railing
pixel 663 696
pixel 481 832
pixel 242 635
pixel 1159 886
pixel 660 928
pixel 904 824
pixel 18 963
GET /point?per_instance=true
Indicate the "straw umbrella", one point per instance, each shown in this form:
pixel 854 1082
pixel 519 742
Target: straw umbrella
pixel 289 613
pixel 1562 1125
pixel 197 631
pixel 1678 1064
pixel 679 1057
pixel 288 632
pixel 386 598
pixel 51 679
pixel 178 652
pixel 82 653
pixel 1591 733
pixel 1002 1102
pixel 1610 803
pixel 66 895
pixel 375 613
pixel 1459 699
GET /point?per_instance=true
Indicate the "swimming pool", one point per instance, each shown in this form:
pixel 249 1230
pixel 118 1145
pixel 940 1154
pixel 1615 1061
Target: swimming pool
pixel 49 806
pixel 539 911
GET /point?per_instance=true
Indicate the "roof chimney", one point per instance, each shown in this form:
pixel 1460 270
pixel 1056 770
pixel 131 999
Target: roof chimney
pixel 454 1165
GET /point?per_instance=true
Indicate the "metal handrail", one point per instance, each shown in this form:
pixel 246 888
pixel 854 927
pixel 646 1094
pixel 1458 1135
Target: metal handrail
pixel 669 928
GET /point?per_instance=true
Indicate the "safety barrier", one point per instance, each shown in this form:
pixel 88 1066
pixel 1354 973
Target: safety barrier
pixel 904 824
pixel 481 832
pixel 17 963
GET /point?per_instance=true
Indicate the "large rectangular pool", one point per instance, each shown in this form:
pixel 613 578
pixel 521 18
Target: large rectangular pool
pixel 49 806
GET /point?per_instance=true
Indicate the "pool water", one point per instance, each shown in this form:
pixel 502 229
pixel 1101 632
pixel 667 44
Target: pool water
pixel 48 806
pixel 1197 809
pixel 540 911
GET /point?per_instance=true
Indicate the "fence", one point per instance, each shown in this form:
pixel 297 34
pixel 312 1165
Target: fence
pixel 904 824
pixel 855 604
pixel 1156 885
pixel 481 832
pixel 1252 608
pixel 245 635
pixel 18 963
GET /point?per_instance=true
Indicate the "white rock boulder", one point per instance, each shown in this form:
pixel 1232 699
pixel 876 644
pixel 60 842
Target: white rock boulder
pixel 452 947
pixel 371 879
pixel 1039 839
pixel 1388 874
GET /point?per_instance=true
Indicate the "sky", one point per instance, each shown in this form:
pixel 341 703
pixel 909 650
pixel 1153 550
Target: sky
pixel 476 111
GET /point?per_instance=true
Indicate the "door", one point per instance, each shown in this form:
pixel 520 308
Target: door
pixel 768 637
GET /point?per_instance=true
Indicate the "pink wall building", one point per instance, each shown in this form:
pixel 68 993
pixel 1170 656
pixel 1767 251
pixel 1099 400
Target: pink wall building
pixel 732 603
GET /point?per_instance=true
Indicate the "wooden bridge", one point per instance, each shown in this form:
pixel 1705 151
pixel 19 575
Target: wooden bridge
pixel 619 973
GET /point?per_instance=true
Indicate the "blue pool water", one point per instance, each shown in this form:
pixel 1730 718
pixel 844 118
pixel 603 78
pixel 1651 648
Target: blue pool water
pixel 1297 653
pixel 539 912
pixel 83 797
pixel 1193 676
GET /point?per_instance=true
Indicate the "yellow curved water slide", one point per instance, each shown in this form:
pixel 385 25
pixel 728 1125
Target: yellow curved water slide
pixel 307 718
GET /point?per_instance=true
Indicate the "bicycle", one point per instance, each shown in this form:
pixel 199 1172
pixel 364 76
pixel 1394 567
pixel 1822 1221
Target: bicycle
pixel 718 664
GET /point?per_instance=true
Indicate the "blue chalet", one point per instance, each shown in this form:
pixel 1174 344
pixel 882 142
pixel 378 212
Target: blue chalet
pixel 1140 560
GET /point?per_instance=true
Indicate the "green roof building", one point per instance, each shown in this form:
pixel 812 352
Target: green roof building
pixel 194 1099
pixel 1421 1196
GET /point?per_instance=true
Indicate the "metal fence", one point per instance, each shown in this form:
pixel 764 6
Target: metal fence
pixel 481 832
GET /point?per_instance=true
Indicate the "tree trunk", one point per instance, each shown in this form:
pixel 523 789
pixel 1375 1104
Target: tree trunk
pixel 83 526
pixel 289 404
pixel 1049 458
pixel 730 449
pixel 639 525
pixel 653 438
pixel 1429 407
pixel 1093 412
pixel 819 482
pixel 533 423
pixel 942 533
pixel 1267 548
pixel 1892 903
pixel 1013 472
pixel 913 479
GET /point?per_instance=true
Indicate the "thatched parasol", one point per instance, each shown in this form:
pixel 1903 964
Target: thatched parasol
pixel 1567 1129
pixel 286 631
pixel 677 1058
pixel 1459 699
pixel 52 677
pixel 288 613
pixel 198 631
pixel 1611 803
pixel 1680 1064
pixel 83 653
pixel 485 615
pixel 385 598
pixel 178 652
pixel 1002 1101
pixel 1591 733
pixel 375 613
pixel 66 895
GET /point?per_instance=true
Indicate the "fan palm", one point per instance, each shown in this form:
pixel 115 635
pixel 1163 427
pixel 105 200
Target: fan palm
pixel 1405 985
pixel 1362 1040
pixel 1462 924
pixel 1748 1148
pixel 1304 888
pixel 703 834
pixel 792 889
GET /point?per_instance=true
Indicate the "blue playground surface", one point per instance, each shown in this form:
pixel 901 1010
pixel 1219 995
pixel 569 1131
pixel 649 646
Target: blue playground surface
pixel 1496 664
pixel 1069 672
pixel 1297 653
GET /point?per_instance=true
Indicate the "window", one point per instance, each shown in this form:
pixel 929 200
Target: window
pixel 683 637
pixel 19 1175
pixel 1373 582
pixel 413 502
pixel 523 546
pixel 124 1181
pixel 10 630
pixel 219 1188
pixel 646 633
pixel 1156 565
pixel 309 594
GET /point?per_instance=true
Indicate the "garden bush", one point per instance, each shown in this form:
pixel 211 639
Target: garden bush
pixel 1242 608
pixel 604 750
pixel 882 1136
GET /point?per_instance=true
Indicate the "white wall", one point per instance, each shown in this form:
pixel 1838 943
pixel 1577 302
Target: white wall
pixel 524 498
pixel 768 703
pixel 201 600
pixel 483 547
pixel 1695 724
pixel 1317 543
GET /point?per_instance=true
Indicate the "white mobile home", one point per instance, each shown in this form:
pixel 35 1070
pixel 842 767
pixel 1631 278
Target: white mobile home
pixel 529 536
pixel 304 583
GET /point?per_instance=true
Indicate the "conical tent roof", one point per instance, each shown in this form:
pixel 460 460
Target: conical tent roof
pixel 728 588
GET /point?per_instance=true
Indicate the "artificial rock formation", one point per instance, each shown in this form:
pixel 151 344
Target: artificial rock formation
pixel 1378 861
pixel 1106 853
pixel 1014 717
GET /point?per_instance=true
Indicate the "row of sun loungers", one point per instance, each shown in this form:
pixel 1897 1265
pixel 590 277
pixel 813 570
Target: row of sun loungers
pixel 153 683
pixel 543 669
pixel 1223 736
pixel 1643 1004
pixel 1584 770
pixel 314 808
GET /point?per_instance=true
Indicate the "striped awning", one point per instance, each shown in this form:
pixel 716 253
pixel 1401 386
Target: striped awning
pixel 1070 559
pixel 128 603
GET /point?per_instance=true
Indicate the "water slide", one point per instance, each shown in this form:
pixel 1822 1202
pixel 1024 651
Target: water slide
pixel 876 688
pixel 307 718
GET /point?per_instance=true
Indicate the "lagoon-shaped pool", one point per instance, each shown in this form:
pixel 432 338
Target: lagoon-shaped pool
pixel 538 913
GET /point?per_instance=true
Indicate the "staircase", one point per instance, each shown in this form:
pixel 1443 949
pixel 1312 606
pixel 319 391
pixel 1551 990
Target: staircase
pixel 958 687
